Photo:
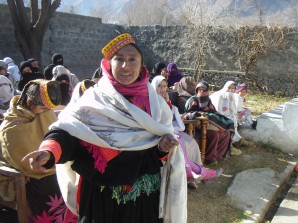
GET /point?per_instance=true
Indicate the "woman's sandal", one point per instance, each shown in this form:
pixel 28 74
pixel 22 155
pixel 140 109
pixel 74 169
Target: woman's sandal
pixel 210 174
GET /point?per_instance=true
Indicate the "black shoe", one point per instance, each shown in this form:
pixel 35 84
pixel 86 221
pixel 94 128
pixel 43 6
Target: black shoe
pixel 254 124
pixel 210 162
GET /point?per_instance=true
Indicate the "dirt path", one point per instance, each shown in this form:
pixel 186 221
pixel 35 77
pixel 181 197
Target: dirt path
pixel 209 202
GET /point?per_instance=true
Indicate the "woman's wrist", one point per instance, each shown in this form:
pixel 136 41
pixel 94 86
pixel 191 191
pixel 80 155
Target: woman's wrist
pixel 160 150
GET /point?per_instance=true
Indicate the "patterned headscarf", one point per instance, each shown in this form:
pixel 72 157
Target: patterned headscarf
pixel 241 87
pixel 186 87
pixel 42 92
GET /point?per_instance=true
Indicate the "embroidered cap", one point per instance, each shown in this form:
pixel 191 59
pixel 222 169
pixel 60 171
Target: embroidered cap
pixel 116 44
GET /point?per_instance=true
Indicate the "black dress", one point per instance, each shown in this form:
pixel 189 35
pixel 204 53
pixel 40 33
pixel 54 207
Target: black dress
pixel 126 192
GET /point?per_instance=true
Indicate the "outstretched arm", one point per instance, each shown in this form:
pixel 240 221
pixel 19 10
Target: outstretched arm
pixel 37 159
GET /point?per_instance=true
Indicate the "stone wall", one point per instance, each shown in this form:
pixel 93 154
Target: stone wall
pixel 80 40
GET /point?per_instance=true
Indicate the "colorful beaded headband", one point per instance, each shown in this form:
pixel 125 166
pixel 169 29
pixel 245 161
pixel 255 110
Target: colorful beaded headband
pixel 116 44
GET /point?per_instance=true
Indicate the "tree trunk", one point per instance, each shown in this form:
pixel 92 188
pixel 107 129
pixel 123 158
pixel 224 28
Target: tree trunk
pixel 29 34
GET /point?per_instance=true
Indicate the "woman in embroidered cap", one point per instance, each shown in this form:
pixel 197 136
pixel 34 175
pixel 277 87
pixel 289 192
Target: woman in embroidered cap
pixel 25 123
pixel 117 135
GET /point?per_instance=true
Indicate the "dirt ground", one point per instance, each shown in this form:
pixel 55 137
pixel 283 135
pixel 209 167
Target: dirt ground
pixel 209 202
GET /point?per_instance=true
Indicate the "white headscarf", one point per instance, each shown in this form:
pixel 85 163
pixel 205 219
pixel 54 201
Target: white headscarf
pixel 224 102
pixel 6 89
pixel 177 123
pixel 73 80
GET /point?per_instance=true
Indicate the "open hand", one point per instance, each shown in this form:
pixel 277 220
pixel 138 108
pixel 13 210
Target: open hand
pixel 36 159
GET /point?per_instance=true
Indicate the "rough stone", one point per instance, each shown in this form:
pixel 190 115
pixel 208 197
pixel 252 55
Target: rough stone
pixel 278 127
pixel 253 190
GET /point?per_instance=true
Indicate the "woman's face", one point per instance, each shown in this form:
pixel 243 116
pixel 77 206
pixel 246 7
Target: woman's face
pixel 164 73
pixel 242 93
pixel 162 87
pixel 201 89
pixel 231 88
pixel 26 70
pixel 126 65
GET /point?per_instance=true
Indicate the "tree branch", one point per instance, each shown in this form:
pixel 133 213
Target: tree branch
pixel 34 12
pixel 24 20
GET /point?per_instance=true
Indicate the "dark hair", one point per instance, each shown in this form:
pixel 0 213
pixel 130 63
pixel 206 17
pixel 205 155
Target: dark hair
pixel 139 50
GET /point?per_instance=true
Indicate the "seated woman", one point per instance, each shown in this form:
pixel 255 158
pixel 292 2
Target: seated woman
pixel 27 74
pixel 174 74
pixel 185 89
pixel 243 113
pixel 6 93
pixel 224 102
pixel 159 68
pixel 22 130
pixel 188 144
pixel 219 128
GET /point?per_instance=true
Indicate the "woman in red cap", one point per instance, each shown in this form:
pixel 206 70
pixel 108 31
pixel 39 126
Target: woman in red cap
pixel 117 135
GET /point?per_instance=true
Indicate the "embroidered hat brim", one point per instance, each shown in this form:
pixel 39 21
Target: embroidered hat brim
pixel 116 44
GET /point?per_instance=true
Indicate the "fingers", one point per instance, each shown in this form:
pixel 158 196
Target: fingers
pixel 36 159
pixel 167 143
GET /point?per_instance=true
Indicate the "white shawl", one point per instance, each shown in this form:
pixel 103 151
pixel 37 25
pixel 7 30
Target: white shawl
pixel 103 117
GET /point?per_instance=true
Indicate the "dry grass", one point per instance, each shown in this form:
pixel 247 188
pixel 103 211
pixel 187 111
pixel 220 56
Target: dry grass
pixel 260 103
pixel 209 202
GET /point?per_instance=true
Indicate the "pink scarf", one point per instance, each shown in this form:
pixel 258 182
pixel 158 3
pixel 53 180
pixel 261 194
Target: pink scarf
pixel 137 91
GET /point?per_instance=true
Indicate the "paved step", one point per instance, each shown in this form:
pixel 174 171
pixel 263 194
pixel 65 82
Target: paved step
pixel 288 209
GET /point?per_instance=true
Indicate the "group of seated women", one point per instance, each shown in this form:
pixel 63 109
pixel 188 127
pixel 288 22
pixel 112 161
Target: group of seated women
pixel 224 110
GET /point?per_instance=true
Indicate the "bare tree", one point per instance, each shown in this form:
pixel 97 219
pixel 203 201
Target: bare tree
pixel 103 11
pixel 153 12
pixel 202 21
pixel 30 30
pixel 254 43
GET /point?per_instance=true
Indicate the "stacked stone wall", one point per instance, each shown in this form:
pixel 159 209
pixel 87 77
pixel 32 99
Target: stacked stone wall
pixel 81 38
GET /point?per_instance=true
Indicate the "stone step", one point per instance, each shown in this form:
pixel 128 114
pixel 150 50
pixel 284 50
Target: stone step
pixel 288 209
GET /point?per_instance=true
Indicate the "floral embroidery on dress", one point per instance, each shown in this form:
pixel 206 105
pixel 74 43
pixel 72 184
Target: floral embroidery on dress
pixel 145 184
pixel 58 212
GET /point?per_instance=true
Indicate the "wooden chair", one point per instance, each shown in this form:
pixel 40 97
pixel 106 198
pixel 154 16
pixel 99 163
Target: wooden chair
pixel 20 203
pixel 201 123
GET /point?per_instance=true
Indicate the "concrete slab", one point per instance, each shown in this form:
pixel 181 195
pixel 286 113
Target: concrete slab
pixel 288 209
pixel 278 127
pixel 253 191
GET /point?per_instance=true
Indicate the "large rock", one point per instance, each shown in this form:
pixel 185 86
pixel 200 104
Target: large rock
pixel 253 191
pixel 278 127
